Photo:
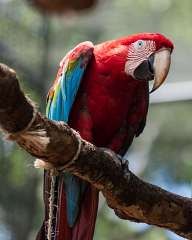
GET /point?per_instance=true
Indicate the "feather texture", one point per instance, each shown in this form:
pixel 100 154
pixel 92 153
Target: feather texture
pixel 109 111
pixel 59 103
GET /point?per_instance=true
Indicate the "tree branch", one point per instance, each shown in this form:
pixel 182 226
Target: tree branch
pixel 57 144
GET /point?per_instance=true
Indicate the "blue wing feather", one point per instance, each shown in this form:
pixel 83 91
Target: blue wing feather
pixel 60 100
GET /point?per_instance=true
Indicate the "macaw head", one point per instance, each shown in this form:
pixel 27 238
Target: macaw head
pixel 148 58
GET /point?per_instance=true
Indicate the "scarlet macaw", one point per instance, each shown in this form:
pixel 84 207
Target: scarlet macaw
pixel 101 91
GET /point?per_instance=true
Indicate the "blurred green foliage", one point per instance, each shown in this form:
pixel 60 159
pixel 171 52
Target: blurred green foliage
pixel 34 44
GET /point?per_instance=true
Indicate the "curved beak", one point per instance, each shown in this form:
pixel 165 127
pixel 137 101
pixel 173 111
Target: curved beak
pixel 161 65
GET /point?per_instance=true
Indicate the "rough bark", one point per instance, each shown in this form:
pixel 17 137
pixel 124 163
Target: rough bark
pixel 57 144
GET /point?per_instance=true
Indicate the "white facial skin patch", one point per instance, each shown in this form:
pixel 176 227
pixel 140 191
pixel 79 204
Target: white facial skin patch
pixel 137 53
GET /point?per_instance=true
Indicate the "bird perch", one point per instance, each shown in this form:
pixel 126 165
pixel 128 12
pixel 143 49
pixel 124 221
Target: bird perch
pixel 56 144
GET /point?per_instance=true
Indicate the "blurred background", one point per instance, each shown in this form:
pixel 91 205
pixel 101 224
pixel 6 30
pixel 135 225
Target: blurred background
pixel 33 43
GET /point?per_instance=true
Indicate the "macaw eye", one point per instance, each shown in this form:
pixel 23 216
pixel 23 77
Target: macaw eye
pixel 139 44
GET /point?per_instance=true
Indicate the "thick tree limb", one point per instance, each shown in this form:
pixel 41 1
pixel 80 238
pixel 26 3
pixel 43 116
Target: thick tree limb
pixel 56 143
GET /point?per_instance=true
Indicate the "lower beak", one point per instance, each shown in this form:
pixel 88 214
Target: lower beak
pixel 161 65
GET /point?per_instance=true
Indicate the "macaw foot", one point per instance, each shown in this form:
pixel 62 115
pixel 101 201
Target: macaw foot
pixel 124 163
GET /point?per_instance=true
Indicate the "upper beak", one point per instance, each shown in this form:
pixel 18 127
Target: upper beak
pixel 161 65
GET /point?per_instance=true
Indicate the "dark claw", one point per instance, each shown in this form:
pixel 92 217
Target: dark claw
pixel 124 163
